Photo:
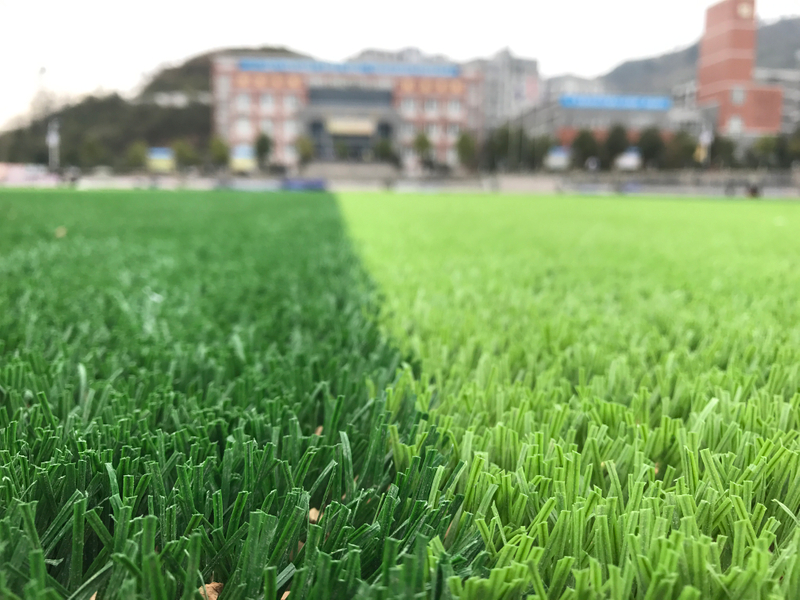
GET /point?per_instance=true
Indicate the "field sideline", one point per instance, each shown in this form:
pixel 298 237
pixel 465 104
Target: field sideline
pixel 398 396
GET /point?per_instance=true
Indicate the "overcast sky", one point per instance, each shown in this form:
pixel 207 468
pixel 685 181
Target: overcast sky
pixel 87 45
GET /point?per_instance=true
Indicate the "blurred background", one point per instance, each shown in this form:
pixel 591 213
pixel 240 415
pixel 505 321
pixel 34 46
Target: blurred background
pixel 613 96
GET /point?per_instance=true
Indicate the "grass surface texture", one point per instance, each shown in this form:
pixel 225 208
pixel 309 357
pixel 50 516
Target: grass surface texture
pixel 377 396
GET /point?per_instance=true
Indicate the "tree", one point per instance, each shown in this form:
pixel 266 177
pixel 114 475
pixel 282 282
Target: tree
pixel 651 146
pixel 111 121
pixel 467 150
pixel 516 148
pixel 305 149
pixel 423 147
pixel 501 139
pixel 136 156
pixel 263 149
pixel 783 154
pixel 218 152
pixel 794 145
pixel 488 154
pixel 616 143
pixel 92 153
pixel 680 150
pixel 723 152
pixel 384 152
pixel 764 151
pixel 185 154
pixel 584 147
pixel 539 148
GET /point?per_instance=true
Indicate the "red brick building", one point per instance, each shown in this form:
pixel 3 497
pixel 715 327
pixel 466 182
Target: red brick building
pixel 344 109
pixel 725 73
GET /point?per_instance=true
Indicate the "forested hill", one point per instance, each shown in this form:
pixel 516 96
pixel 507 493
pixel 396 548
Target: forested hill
pixel 99 130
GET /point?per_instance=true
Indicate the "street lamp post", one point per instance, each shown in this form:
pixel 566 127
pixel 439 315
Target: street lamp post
pixel 53 138
pixel 53 142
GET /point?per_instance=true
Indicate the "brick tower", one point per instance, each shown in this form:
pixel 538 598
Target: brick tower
pixel 725 73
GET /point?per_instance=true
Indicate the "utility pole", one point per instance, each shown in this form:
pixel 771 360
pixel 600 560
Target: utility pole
pixel 510 140
pixel 510 82
pixel 521 154
pixel 53 142
pixel 53 138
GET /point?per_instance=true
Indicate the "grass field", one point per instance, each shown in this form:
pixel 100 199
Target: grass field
pixel 398 396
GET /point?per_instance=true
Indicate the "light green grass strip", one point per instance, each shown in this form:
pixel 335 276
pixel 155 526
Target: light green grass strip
pixel 620 377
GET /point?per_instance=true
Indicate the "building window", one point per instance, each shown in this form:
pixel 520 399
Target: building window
pixel 290 103
pixel 243 129
pixel 289 129
pixel 267 127
pixel 452 157
pixel 454 107
pixel 222 117
pixel 432 130
pixel 267 102
pixel 408 106
pixel 289 154
pixel 243 102
pixel 431 106
pixel 735 125
pixel 223 86
pixel 737 96
pixel 453 130
pixel 408 130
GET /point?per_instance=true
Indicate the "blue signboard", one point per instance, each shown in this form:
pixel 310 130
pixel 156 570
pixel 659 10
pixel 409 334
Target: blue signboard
pixel 243 153
pixel 159 153
pixel 304 185
pixel 652 103
pixel 288 65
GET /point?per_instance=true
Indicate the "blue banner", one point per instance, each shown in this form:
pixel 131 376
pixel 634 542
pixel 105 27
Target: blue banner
pixel 159 154
pixel 243 153
pixel 304 185
pixel 652 103
pixel 288 65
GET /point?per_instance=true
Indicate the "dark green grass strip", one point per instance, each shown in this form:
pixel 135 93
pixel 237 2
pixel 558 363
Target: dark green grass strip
pixel 166 361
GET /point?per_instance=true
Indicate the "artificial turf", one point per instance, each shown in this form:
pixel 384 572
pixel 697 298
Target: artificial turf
pixel 397 396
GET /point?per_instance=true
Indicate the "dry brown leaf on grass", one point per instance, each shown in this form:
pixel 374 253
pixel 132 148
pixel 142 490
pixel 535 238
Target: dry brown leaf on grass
pixel 214 589
pixel 313 515
pixel 285 595
pixel 61 232
pixel 318 431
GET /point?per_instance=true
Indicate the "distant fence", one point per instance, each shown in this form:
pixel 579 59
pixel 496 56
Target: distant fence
pixel 689 178
pixel 686 183
pixel 709 183
pixel 17 175
pixel 304 185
